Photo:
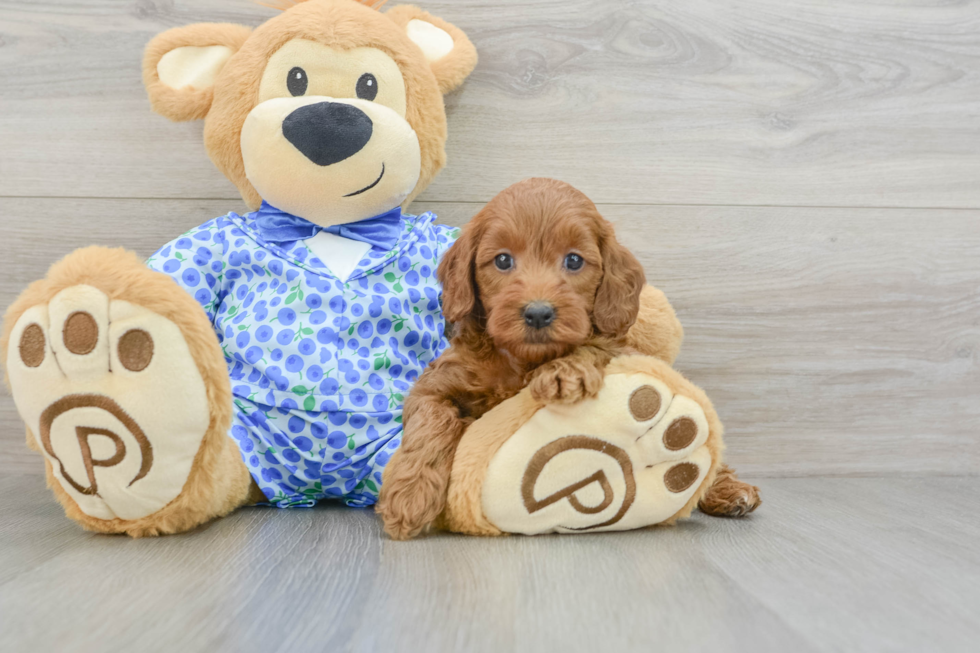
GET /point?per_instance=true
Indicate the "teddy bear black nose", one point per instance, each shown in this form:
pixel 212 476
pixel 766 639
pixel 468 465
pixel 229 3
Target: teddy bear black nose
pixel 328 132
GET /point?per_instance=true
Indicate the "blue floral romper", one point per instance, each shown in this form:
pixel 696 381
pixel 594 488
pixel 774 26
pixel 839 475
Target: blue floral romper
pixel 319 368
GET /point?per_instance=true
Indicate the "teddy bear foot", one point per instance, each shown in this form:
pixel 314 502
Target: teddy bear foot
pixel 115 400
pixel 642 452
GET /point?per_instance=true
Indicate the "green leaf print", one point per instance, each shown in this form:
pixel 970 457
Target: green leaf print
pixel 301 389
pixel 309 403
pixel 390 277
pixel 398 287
pixel 371 485
pixel 290 298
pixel 378 363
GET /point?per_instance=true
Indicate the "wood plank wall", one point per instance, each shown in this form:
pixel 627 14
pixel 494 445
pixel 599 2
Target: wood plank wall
pixel 802 177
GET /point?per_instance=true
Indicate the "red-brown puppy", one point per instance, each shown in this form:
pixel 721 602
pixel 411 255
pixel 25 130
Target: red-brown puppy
pixel 541 293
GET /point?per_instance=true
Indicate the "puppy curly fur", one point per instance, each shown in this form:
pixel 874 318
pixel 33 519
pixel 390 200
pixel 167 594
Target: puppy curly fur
pixel 495 353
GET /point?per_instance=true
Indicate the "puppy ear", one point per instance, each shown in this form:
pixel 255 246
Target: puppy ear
pixel 447 49
pixel 617 301
pixel 455 273
pixel 181 64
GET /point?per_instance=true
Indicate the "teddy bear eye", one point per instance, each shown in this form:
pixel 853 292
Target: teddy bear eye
pixel 367 87
pixel 296 81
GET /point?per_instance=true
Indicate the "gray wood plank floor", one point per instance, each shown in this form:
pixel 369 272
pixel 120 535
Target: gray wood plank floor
pixel 825 565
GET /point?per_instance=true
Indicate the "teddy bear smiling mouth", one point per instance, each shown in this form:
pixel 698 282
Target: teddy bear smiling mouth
pixel 371 185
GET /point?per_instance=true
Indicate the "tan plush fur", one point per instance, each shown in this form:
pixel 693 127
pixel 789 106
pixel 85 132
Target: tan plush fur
pixel 452 70
pixel 657 332
pixel 219 481
pixel 495 353
pixel 186 103
pixel 336 23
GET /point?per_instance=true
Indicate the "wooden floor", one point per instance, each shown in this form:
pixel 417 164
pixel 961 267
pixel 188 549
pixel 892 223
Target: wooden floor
pixel 801 177
pixel 825 565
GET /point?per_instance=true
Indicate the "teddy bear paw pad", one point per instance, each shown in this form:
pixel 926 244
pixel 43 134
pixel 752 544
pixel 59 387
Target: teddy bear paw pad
pixel 633 456
pixel 113 398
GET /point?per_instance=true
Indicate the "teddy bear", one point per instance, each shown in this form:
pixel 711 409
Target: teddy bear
pixel 264 358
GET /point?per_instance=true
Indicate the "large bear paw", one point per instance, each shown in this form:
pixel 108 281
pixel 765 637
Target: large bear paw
pixel 118 374
pixel 640 453
pixel 113 397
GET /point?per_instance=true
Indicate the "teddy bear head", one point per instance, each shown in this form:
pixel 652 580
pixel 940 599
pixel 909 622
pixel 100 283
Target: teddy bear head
pixel 331 110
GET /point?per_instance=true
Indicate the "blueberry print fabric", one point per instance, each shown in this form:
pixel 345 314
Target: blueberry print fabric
pixel 319 368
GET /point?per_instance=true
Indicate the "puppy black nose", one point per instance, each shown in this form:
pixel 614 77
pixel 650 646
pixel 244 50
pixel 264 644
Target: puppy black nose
pixel 328 132
pixel 538 315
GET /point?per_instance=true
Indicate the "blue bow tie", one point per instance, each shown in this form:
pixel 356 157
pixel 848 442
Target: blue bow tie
pixel 381 231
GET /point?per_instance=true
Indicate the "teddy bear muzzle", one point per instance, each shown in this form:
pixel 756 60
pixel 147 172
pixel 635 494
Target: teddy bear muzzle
pixel 330 160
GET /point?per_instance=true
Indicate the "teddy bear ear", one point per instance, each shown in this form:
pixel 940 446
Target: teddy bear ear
pixel 447 49
pixel 181 64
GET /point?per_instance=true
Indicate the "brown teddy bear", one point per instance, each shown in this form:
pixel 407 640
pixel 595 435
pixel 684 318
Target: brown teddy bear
pixel 265 357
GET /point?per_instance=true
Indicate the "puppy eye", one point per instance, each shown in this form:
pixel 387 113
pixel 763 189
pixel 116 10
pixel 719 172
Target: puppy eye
pixel 503 262
pixel 367 87
pixel 574 262
pixel 296 81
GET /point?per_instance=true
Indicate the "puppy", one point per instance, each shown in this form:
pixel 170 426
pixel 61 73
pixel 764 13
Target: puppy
pixel 540 294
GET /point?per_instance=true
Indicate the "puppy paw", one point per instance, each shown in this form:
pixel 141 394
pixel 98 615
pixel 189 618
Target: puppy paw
pixel 411 498
pixel 405 515
pixel 730 497
pixel 565 381
pixel 399 526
